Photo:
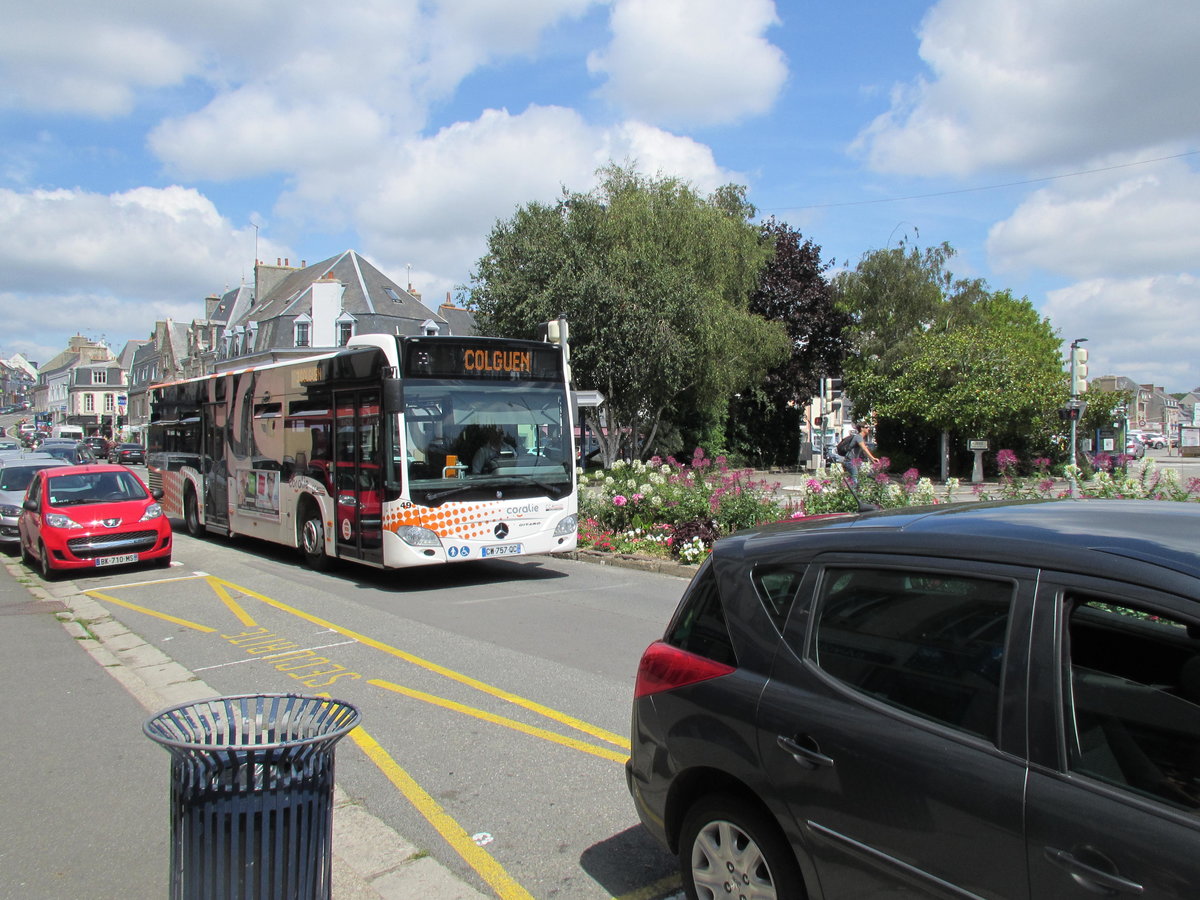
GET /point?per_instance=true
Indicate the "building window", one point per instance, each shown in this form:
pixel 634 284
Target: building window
pixel 99 376
pixel 345 332
pixel 302 334
pixel 108 403
pixel 89 403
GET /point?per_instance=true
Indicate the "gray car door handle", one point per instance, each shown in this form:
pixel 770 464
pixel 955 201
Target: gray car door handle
pixel 809 757
pixel 1089 877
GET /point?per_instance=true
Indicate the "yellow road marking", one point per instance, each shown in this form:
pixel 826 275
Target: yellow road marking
pixel 236 608
pixel 474 855
pixel 564 719
pixel 151 612
pixel 602 752
pixel 664 887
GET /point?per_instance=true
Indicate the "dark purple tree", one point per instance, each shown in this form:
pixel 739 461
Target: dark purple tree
pixel 764 424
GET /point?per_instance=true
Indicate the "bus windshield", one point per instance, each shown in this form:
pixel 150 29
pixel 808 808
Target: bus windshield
pixel 471 439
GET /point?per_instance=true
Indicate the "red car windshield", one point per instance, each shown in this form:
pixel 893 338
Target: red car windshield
pixel 95 487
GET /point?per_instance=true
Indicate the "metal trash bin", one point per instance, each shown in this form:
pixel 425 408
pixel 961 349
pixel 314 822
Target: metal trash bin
pixel 252 794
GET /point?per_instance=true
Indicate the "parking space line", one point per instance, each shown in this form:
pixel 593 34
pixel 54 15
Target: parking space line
pixel 475 856
pixel 602 752
pixel 99 595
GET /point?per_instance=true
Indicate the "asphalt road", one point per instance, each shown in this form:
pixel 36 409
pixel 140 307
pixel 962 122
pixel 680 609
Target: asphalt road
pixel 495 696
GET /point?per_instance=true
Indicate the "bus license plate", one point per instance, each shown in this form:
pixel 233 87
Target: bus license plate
pixel 117 560
pixel 502 550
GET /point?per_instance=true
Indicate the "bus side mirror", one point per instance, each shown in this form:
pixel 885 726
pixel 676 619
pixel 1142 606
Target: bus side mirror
pixel 393 395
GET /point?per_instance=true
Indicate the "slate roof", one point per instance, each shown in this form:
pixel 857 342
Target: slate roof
pixel 377 303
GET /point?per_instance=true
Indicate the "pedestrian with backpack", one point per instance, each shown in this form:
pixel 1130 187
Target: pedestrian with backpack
pixel 853 448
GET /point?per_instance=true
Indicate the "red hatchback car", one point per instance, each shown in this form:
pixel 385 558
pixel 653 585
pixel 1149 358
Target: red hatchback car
pixel 88 517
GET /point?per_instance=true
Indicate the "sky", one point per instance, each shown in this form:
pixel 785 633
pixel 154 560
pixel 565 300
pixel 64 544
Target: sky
pixel 150 152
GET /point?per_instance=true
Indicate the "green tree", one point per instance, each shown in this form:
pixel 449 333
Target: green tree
pixel 764 424
pixel 942 358
pixel 654 280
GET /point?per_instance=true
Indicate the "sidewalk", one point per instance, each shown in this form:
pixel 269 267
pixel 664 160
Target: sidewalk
pixel 84 795
pixel 791 482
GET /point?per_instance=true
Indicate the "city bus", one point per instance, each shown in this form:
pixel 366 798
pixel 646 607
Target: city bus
pixel 390 451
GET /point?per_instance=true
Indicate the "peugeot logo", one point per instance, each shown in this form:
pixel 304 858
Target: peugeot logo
pixel 111 523
pixel 501 531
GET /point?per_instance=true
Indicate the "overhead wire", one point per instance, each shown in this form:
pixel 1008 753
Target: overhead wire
pixel 989 187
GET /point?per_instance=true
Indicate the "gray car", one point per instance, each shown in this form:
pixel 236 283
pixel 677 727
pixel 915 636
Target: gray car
pixel 970 700
pixel 15 474
pixel 75 452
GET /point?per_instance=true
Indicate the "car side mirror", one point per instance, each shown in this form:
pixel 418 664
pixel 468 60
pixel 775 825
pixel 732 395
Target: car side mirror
pixel 30 505
pixel 157 493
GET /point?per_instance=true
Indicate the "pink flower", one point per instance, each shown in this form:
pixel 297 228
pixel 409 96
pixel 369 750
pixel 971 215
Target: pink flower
pixel 619 500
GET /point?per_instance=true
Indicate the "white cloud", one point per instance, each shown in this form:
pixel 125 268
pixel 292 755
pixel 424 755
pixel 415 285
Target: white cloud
pixel 433 201
pixel 691 61
pixel 148 242
pixel 1021 83
pixel 99 316
pixel 1136 221
pixel 1142 328
pixel 254 132
pixel 84 64
pixel 113 264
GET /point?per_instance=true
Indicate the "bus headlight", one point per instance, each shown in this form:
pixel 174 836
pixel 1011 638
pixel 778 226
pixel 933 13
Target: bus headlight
pixel 566 525
pixel 416 536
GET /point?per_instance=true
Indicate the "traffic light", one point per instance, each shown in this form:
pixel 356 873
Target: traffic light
pixel 1079 370
pixel 818 421
pixel 833 390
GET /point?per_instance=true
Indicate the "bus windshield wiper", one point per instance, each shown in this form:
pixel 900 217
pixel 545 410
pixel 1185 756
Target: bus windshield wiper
pixel 553 491
pixel 438 496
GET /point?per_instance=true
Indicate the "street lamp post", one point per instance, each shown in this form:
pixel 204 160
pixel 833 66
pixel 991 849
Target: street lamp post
pixel 1076 376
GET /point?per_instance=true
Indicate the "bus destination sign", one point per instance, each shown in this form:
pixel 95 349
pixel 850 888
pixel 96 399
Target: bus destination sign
pixel 452 359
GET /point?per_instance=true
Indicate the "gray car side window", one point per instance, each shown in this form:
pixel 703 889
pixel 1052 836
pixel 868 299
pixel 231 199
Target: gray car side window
pixel 777 588
pixel 1132 698
pixel 699 625
pixel 931 644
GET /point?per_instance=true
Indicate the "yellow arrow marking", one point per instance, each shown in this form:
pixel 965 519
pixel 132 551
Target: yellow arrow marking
pixel 564 719
pixel 236 608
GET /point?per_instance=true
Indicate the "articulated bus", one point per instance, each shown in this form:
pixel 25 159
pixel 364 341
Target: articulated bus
pixel 391 451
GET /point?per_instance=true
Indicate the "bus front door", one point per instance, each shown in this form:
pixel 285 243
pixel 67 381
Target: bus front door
pixel 214 467
pixel 358 458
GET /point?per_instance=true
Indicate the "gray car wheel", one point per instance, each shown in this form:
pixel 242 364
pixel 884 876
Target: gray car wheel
pixel 729 848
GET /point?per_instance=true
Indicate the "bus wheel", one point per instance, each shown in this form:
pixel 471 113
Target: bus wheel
pixel 191 515
pixel 312 538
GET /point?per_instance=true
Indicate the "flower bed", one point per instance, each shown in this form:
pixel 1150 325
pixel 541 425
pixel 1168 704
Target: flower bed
pixel 667 509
